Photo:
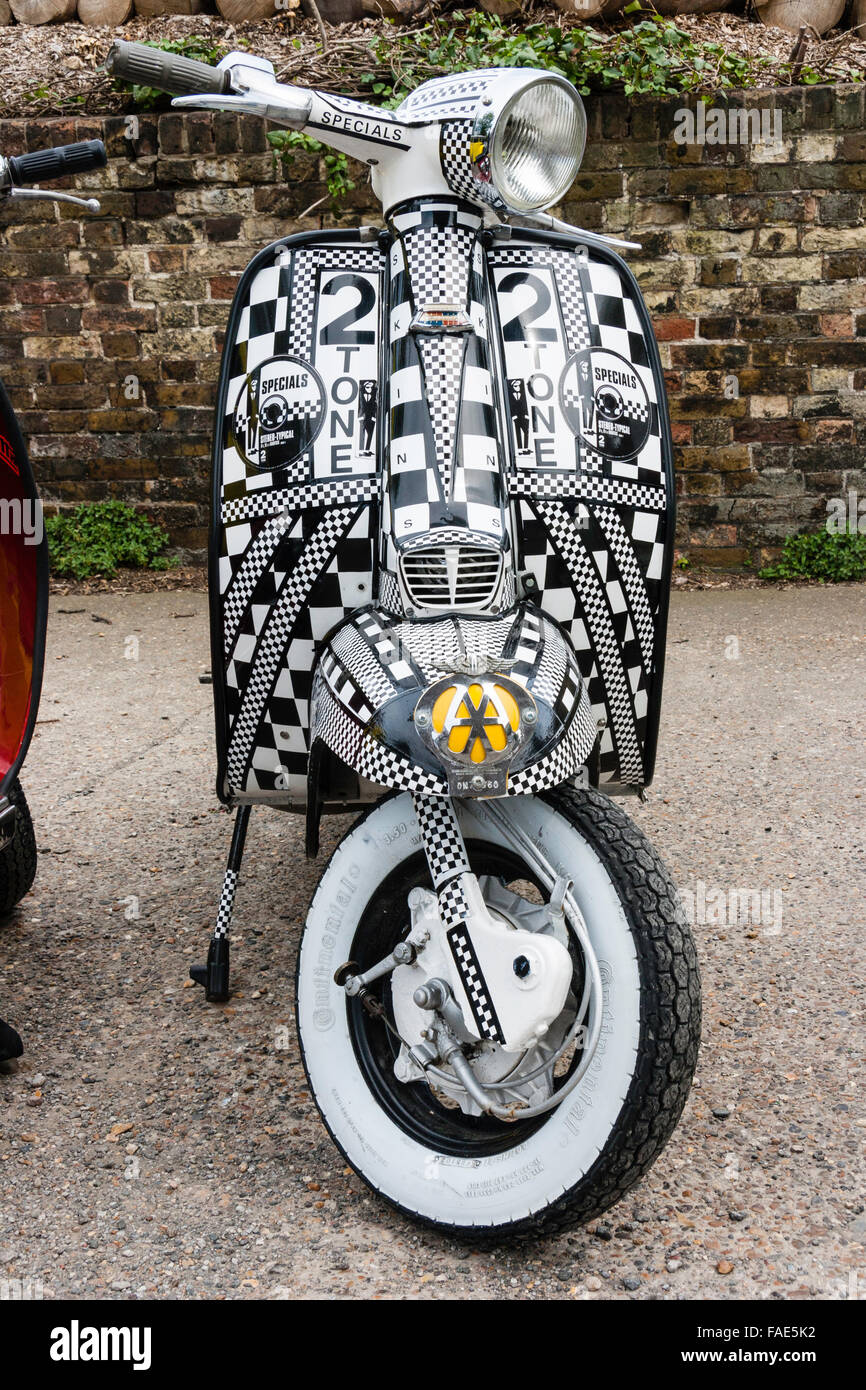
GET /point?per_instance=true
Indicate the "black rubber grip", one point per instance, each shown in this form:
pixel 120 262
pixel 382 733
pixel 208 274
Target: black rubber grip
pixel 169 72
pixel 53 164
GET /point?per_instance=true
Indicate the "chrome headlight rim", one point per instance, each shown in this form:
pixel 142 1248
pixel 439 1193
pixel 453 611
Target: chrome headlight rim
pixel 489 125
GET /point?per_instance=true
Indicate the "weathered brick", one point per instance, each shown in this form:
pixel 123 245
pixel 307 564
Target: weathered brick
pixel 753 267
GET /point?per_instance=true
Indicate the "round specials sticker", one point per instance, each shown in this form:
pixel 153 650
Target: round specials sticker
pixel 278 413
pixel 605 403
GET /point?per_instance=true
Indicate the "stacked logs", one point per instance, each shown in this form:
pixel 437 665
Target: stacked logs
pixel 820 15
pixel 114 12
pixel 817 15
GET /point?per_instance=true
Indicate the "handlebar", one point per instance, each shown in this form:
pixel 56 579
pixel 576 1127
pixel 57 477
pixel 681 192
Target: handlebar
pixel 54 164
pixel 170 72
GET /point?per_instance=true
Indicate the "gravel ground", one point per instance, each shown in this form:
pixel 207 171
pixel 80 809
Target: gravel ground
pixel 156 1146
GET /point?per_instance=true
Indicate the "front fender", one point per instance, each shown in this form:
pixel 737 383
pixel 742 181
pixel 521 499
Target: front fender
pixel 374 669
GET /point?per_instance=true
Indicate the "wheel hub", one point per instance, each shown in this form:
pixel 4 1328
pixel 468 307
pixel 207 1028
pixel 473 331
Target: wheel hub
pixel 523 936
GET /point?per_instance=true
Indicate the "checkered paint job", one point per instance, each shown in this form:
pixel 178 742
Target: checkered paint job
pixel 564 760
pixel 453 905
pixel 389 592
pixel 437 253
pixel 587 487
pixel 447 861
pixel 226 903
pixel 442 366
pixel 389 769
pixel 474 983
pixel 445 455
pixel 631 578
pixel 350 695
pixel 446 97
pixel 295 550
pixel 592 529
pixel 437 648
pixel 589 602
pixel 254 753
pixel 330 492
pixel 443 842
pixel 275 316
pixel 242 581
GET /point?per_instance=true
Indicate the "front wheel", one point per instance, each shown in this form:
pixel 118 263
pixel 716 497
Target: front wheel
pixel 411 1142
pixel 17 854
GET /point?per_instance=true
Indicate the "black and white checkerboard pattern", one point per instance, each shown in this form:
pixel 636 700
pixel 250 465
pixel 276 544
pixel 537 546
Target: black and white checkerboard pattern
pixel 276 501
pixel 603 585
pixel 474 983
pixel 595 538
pixel 563 761
pixel 256 556
pixel 442 365
pixel 444 98
pixel 453 904
pixel 588 487
pixel 296 599
pixel 439 648
pixel 567 268
pixel 583 592
pixel 445 450
pixel 437 254
pixel 447 861
pixel 296 549
pixel 632 576
pixel 454 141
pixel 277 320
pixel 386 768
pixel 226 903
pixel 369 662
pixel 443 842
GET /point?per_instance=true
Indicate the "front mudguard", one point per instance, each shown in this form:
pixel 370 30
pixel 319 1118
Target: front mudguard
pixel 374 669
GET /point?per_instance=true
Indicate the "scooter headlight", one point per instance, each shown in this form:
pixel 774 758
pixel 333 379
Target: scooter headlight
pixel 528 140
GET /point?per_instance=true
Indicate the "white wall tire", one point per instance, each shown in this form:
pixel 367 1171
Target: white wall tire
pixel 586 1153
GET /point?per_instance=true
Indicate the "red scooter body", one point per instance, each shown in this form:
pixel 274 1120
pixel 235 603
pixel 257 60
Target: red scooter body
pixel 23 597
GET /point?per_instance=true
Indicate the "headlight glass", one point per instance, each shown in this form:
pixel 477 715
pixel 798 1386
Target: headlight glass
pixel 537 145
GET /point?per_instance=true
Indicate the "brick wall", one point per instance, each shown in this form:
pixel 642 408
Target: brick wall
pixel 752 264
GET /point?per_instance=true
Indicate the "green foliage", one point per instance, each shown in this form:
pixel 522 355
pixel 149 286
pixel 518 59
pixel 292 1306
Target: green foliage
pixel 287 143
pixel 195 46
pixel 651 56
pixel 683 562
pixel 831 557
pixel 98 536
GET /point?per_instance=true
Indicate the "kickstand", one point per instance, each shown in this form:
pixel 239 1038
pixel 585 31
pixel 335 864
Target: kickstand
pixel 215 975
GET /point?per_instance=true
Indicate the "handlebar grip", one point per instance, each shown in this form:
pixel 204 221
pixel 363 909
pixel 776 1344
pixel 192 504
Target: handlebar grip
pixel 53 164
pixel 152 67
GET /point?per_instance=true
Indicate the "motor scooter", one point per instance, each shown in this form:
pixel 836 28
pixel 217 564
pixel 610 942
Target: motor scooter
pixel 24 566
pixel 442 533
